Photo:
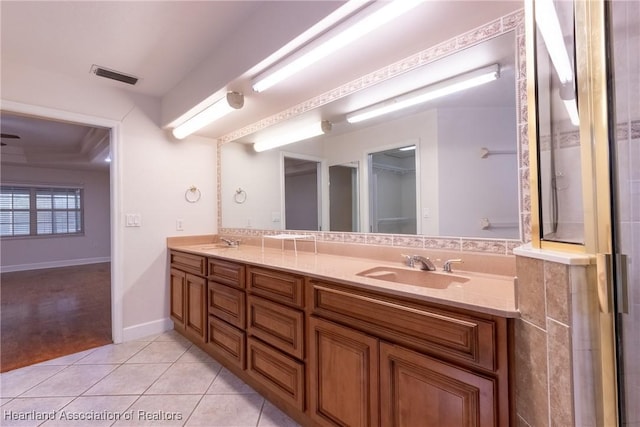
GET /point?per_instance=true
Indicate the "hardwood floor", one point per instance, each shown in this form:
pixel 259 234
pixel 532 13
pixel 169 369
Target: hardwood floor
pixel 53 312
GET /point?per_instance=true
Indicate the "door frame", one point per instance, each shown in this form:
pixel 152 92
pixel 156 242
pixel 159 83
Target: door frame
pixel 115 197
pixel 322 166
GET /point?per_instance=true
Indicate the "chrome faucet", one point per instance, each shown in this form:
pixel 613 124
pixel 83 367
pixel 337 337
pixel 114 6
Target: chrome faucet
pixel 427 264
pixel 447 264
pixel 231 242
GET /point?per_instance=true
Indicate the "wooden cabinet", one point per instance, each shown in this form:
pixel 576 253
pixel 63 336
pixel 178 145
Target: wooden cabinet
pixel 196 306
pixel 438 366
pixel 227 304
pixel 227 342
pixel 281 374
pixel 226 308
pixel 277 325
pixel 343 375
pixel 417 390
pixel 332 354
pixel 275 334
pixel 188 290
pixel 177 291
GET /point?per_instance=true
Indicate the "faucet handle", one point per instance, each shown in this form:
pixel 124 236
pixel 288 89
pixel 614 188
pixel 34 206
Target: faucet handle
pixel 409 259
pixel 447 264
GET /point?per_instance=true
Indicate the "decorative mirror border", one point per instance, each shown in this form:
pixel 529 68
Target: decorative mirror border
pixel 511 22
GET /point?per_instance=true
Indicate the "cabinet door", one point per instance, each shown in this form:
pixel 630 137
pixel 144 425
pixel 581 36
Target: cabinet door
pixel 416 390
pixel 343 375
pixel 196 309
pixel 177 298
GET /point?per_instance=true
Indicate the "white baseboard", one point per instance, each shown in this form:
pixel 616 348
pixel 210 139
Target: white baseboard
pixel 142 330
pixel 53 264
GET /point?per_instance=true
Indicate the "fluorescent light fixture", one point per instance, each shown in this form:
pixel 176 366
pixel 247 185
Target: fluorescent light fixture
pixel 230 102
pixel 568 97
pixel 419 96
pixel 295 135
pixel 388 12
pixel 549 26
pixel 409 148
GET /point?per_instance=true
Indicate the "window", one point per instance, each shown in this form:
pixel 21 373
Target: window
pixel 40 211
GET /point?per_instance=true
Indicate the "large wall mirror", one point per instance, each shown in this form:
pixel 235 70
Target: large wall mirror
pixel 452 166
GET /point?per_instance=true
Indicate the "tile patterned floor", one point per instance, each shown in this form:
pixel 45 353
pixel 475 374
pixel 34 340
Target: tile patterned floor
pixel 159 381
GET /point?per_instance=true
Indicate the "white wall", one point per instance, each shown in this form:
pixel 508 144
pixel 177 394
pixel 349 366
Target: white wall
pixel 152 173
pixel 260 175
pixel 56 251
pixel 476 187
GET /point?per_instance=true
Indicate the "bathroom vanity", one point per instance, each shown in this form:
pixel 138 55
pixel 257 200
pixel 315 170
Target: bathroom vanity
pixel 347 341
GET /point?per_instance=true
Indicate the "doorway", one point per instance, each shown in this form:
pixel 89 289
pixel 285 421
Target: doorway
pixel 393 191
pixel 64 273
pixel 301 193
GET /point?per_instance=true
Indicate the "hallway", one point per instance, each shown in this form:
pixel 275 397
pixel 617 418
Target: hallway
pixel 53 312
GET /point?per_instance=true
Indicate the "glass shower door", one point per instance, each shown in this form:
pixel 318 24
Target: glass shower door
pixel 624 129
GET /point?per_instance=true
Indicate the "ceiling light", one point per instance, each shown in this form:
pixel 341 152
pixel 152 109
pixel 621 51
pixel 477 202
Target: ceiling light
pixel 331 43
pixel 568 97
pixel 295 135
pixel 549 26
pixel 428 93
pixel 230 102
pixel 409 148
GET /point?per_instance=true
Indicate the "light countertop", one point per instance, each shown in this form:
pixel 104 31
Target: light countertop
pixel 484 293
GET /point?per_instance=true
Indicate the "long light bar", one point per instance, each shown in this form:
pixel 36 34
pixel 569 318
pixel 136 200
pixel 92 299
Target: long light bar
pixel 431 92
pixel 549 26
pixel 568 96
pixel 362 27
pixel 300 134
pixel 230 102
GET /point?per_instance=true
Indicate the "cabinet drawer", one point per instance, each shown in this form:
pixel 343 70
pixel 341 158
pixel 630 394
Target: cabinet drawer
pixel 278 286
pixel 228 273
pixel 227 304
pixel 453 336
pixel 281 374
pixel 280 326
pixel 227 341
pixel 190 263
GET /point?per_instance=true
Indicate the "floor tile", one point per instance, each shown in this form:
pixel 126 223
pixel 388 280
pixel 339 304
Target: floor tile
pixel 160 352
pixel 71 381
pixel 172 335
pixel 16 382
pixel 271 416
pixel 116 354
pixel 128 379
pixel 67 360
pixel 104 410
pixel 237 410
pixel 228 383
pixel 170 410
pixel 195 354
pixel 185 378
pixel 32 411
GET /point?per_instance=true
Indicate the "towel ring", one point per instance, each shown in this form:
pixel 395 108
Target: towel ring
pixel 240 197
pixel 192 194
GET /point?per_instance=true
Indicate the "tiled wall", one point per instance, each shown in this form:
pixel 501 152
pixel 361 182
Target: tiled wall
pixel 555 342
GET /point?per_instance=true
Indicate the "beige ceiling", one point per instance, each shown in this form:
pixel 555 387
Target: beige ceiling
pixel 170 45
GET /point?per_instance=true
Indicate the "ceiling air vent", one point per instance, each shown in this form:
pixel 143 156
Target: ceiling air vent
pixel 113 75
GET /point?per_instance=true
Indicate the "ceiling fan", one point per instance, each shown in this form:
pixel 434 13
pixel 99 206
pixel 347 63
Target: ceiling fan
pixel 7 136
